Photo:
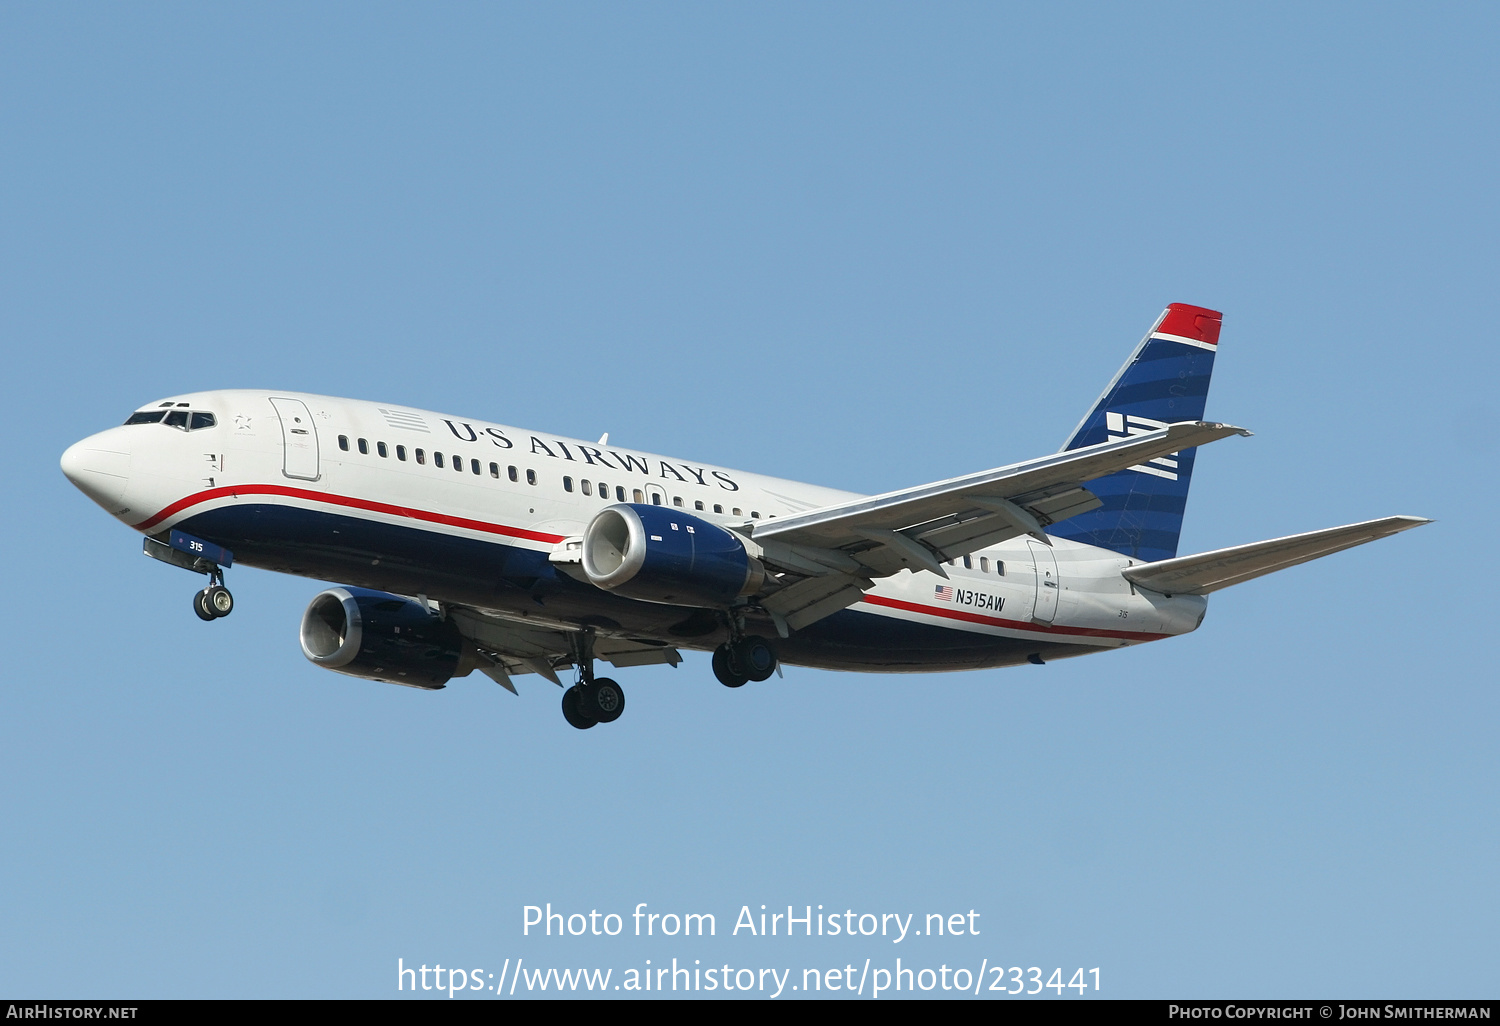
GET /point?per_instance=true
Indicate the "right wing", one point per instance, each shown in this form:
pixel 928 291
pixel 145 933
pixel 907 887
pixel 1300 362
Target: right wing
pixel 507 646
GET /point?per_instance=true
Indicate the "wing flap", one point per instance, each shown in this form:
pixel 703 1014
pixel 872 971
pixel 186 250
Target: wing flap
pixel 515 648
pixel 631 652
pixel 810 600
pixel 1210 571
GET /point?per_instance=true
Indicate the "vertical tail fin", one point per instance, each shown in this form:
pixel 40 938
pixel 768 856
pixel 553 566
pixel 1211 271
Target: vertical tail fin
pixel 1164 381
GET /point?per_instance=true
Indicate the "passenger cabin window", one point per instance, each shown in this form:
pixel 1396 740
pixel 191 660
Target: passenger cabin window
pixel 380 448
pixel 677 500
pixel 474 467
pixel 421 456
pixel 737 512
pixel 984 564
pixel 495 471
pixel 437 459
pixel 511 471
pixel 458 464
pixel 968 562
pixel 587 486
pixel 149 417
pixel 344 442
pixel 698 504
pixel 401 453
pixel 1000 567
pixel 754 515
pixel 637 494
pixel 531 477
pixel 364 447
pixel 620 493
pixel 656 498
pixel 718 508
pixel 567 484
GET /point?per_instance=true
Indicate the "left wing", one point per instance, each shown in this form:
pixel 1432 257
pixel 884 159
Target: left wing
pixel 838 550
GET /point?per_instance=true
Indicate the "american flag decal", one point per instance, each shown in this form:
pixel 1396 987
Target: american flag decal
pixel 944 592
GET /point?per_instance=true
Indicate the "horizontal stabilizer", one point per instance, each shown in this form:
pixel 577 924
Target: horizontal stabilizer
pixel 1210 571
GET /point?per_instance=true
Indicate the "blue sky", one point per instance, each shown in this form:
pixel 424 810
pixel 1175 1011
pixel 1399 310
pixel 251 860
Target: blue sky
pixel 863 245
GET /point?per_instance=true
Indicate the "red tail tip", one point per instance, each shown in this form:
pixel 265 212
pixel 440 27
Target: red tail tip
pixel 1194 322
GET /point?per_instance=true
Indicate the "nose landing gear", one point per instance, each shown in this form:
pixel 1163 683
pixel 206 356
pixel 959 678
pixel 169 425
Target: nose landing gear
pixel 201 557
pixel 214 601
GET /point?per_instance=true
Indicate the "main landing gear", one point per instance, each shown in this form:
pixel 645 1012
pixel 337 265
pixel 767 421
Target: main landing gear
pixel 214 601
pixel 748 658
pixel 593 699
pixel 586 703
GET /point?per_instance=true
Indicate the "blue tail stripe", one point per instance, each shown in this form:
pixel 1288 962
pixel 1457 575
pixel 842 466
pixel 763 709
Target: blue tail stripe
pixel 1164 382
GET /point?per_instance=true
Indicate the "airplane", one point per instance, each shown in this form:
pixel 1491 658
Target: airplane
pixel 469 545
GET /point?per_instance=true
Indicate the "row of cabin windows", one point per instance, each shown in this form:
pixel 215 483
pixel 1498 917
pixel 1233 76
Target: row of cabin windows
pixel 438 460
pixel 587 487
pixel 984 565
pixel 638 495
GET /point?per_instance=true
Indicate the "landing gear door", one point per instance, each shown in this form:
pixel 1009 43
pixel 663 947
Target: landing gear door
pixel 299 439
pixel 1047 583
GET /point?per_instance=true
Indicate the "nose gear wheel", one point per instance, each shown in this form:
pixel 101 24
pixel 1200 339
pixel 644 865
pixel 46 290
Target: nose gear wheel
pixel 213 602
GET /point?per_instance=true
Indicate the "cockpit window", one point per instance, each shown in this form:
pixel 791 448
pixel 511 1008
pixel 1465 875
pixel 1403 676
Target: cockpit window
pixel 187 420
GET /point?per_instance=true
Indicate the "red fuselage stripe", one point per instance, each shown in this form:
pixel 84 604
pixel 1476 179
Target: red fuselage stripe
pixel 995 621
pixel 235 491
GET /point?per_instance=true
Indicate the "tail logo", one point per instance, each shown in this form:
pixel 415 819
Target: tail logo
pixel 1120 426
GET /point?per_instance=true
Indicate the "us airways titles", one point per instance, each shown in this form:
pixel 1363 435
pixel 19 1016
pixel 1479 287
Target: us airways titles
pixel 589 455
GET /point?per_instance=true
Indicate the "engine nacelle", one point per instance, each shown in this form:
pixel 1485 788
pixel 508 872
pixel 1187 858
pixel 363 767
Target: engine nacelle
pixel 383 637
pixel 661 554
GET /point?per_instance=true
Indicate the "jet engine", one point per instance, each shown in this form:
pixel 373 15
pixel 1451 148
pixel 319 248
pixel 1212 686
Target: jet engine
pixel 384 637
pixel 661 554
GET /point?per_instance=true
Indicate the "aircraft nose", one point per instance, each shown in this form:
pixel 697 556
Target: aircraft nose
pixel 100 468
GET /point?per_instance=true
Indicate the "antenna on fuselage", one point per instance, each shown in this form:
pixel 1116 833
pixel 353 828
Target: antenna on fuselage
pixel 603 439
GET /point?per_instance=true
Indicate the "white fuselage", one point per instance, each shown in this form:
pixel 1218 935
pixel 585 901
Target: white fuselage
pixel 467 512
